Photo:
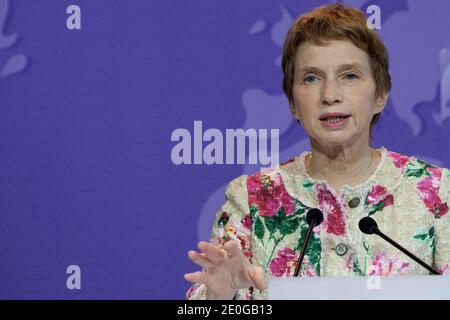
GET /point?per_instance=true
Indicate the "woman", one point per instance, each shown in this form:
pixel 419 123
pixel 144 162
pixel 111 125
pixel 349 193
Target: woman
pixel 337 82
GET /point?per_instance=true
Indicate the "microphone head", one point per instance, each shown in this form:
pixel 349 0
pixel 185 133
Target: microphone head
pixel 314 215
pixel 367 225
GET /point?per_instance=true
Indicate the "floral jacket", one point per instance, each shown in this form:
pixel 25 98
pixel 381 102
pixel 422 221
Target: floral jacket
pixel 266 212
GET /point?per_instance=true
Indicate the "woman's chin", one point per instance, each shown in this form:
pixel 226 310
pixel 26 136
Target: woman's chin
pixel 336 139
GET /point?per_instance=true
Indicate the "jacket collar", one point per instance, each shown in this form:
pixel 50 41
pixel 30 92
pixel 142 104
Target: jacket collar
pixel 300 185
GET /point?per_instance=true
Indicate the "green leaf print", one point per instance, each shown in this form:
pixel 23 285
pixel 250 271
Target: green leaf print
pixel 223 220
pixel 431 233
pixel 414 172
pixel 423 235
pixel 284 224
pixel 259 229
pixel 273 223
pixel 417 169
pixel 366 247
pixel 289 226
pixel 280 225
pixel 367 256
pixel 253 212
pixel 303 231
pixel 433 244
pixel 308 185
pixel 300 207
pixel 377 207
pixel 313 252
pixel 356 267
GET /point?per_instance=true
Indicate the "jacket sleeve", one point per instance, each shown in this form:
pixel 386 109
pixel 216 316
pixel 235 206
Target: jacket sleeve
pixel 442 226
pixel 232 221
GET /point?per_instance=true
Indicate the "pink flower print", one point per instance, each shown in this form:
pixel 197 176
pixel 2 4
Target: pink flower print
pixel 383 265
pixel 444 270
pixel 228 231
pixel 377 194
pixel 435 172
pixel 286 261
pixel 349 263
pixel 246 249
pixel 400 161
pixel 334 218
pixel 428 191
pixel 378 198
pixel 247 222
pixel 307 268
pixel 223 220
pixel 192 290
pixel 269 195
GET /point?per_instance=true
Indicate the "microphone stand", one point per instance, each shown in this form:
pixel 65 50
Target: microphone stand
pixel 312 225
pixel 377 231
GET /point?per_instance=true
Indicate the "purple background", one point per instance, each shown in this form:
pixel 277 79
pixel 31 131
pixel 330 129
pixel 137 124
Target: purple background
pixel 86 116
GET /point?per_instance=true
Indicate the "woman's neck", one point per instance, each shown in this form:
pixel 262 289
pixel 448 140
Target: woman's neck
pixel 338 167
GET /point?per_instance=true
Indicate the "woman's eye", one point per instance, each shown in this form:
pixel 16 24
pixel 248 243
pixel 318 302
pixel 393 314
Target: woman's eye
pixel 351 76
pixel 309 79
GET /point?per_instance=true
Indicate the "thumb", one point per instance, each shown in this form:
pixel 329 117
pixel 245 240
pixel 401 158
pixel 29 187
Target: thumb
pixel 258 277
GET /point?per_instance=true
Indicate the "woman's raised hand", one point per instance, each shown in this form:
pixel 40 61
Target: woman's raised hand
pixel 225 270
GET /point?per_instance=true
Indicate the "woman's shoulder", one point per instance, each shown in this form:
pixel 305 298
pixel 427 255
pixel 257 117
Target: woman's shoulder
pixel 416 166
pixel 393 169
pixel 255 180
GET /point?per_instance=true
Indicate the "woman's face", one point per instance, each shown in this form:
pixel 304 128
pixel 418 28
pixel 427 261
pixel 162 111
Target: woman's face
pixel 336 78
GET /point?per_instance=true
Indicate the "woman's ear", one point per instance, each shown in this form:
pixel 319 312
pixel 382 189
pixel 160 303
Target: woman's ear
pixel 294 111
pixel 381 102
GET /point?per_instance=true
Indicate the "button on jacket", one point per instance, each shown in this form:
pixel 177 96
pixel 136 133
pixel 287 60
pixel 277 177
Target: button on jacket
pixel 266 213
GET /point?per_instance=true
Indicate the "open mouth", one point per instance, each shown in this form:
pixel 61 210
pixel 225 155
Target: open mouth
pixel 334 119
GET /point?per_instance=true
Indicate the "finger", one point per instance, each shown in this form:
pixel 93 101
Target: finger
pixel 258 277
pixel 199 259
pixel 232 248
pixel 194 277
pixel 215 254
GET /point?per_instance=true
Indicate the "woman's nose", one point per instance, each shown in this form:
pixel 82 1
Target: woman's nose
pixel 330 93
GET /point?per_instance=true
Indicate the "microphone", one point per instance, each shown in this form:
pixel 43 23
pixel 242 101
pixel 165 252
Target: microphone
pixel 314 217
pixel 369 226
